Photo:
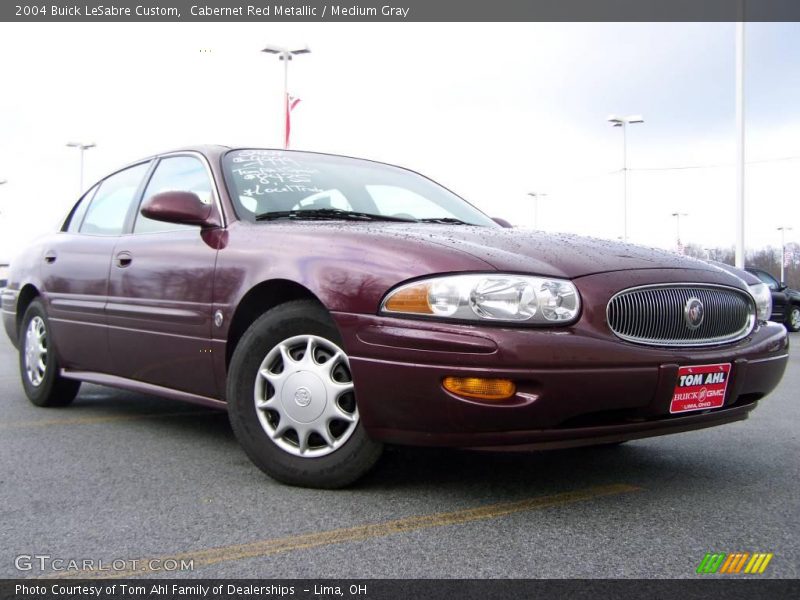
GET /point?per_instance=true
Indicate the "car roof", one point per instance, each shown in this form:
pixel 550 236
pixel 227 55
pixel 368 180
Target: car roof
pixel 205 149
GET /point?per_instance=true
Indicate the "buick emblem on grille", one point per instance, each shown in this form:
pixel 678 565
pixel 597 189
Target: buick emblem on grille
pixel 693 312
pixel 669 314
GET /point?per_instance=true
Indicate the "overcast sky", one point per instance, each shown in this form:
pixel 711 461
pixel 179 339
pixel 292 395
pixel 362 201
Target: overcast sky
pixel 492 111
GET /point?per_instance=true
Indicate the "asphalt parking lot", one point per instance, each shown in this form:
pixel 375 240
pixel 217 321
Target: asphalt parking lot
pixel 125 476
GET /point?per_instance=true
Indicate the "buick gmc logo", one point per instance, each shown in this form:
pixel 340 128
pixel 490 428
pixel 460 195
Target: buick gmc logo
pixel 693 312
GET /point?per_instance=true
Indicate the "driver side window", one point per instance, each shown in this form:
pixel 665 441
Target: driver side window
pixel 175 173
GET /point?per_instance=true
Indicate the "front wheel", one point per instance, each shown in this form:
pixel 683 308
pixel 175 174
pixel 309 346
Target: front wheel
pixel 292 403
pixel 793 319
pixel 38 364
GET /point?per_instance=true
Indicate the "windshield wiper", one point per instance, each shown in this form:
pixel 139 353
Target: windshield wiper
pixel 327 214
pixel 447 220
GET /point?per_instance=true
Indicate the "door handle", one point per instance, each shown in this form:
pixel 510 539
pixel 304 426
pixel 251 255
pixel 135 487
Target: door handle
pixel 50 257
pixel 124 259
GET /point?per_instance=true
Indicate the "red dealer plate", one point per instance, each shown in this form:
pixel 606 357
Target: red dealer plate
pixel 700 387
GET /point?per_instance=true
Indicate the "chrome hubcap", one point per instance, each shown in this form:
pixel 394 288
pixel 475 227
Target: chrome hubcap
pixel 794 318
pixel 35 351
pixel 304 396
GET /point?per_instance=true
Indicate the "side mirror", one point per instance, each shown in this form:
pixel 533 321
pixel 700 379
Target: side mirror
pixel 184 208
pixel 502 222
pixel 782 286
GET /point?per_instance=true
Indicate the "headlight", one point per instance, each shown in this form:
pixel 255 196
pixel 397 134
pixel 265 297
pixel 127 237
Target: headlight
pixel 763 297
pixel 490 297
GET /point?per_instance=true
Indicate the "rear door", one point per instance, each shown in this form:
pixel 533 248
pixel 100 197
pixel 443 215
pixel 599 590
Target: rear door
pixel 75 269
pixel 160 289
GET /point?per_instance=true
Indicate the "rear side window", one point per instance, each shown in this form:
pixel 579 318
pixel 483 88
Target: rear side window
pixel 175 174
pixel 112 201
pixel 75 218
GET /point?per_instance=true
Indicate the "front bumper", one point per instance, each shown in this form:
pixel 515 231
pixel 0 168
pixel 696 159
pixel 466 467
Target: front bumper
pixel 574 386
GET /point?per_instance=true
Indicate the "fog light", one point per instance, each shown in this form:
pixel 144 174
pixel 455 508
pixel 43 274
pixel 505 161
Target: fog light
pixel 478 387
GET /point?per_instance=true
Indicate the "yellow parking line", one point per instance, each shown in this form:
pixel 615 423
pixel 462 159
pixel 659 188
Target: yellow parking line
pixel 211 556
pixel 102 419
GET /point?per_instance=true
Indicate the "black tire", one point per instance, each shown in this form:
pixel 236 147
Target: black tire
pixel 343 465
pixel 49 389
pixel 793 318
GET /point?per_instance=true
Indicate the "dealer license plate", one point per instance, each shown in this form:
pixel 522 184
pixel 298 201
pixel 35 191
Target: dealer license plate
pixel 700 387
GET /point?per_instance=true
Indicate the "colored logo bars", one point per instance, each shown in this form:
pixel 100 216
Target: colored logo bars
pixel 720 562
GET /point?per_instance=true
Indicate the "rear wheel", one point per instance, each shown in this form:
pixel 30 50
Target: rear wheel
pixel 291 400
pixel 793 318
pixel 38 364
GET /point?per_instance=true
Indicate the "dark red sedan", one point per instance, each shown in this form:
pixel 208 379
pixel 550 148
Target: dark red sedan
pixel 334 304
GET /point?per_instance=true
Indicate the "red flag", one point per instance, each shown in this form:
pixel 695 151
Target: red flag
pixel 291 102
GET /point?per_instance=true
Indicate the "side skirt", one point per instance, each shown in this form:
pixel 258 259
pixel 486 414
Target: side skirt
pixel 145 388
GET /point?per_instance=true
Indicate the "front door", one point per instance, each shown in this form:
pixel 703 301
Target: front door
pixel 159 306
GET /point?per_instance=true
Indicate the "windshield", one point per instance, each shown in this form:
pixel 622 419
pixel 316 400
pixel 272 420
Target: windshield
pixel 270 184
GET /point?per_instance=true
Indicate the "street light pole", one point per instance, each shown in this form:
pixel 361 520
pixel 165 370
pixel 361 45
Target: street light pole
pixel 740 142
pixel 678 216
pixel 536 196
pixel 623 122
pixel 783 231
pixel 83 148
pixel 285 54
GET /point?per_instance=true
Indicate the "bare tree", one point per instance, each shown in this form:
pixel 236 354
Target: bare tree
pixel 767 259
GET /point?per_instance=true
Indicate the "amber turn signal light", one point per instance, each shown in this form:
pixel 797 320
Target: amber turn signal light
pixel 413 299
pixel 480 388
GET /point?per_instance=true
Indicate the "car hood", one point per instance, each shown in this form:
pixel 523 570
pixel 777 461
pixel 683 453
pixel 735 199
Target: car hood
pixel 536 252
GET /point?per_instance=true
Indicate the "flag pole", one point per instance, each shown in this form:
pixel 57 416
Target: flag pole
pixel 285 54
pixel 783 231
pixel 286 58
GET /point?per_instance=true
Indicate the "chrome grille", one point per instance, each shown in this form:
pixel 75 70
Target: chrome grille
pixel 656 315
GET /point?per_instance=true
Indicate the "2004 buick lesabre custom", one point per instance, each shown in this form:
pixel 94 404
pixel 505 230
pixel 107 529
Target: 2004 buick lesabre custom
pixel 334 304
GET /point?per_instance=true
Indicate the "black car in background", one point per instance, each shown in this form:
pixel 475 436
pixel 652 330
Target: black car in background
pixel 785 300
